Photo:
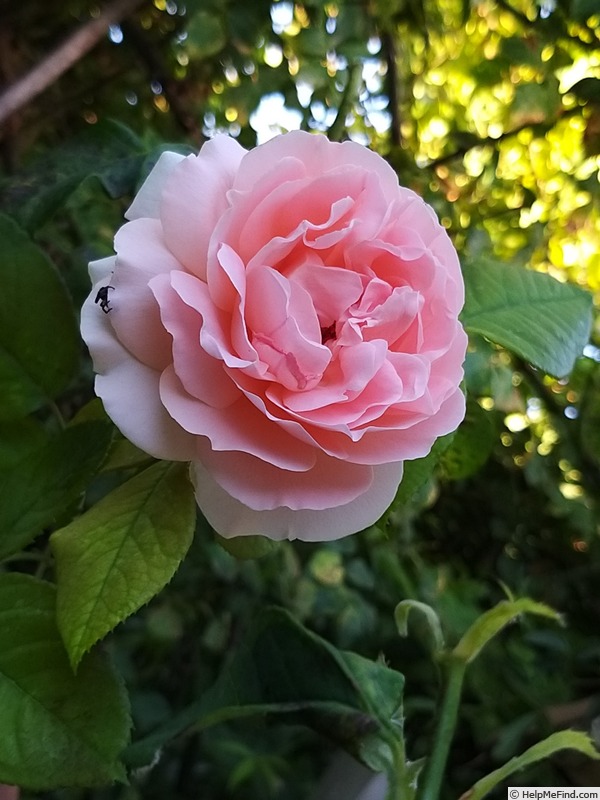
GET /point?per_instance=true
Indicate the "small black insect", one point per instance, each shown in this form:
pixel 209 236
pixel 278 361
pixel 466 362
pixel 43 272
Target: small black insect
pixel 102 298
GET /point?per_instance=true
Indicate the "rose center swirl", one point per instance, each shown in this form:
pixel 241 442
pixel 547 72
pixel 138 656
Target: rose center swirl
pixel 328 333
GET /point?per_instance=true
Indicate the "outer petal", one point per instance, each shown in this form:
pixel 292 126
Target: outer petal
pixel 96 328
pixel 229 517
pixel 101 269
pixel 261 485
pixel 130 395
pixel 146 203
pixel 319 155
pixel 135 315
pixel 128 388
pixel 194 198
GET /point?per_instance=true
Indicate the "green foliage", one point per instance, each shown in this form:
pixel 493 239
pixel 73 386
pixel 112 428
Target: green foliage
pixel 48 477
pixel 117 556
pixel 546 322
pixel 564 740
pixel 109 152
pixel 37 359
pixel 282 668
pixel 417 472
pixel 472 444
pixel 55 728
pixel 248 546
pixel 490 623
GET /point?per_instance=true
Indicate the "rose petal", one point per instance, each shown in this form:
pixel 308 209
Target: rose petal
pixel 130 394
pixel 129 389
pixel 201 374
pixel 230 517
pixel 101 270
pixel 194 198
pixel 264 486
pixel 96 328
pixel 216 331
pixel 239 427
pixel 332 290
pixel 405 437
pixel 232 226
pixel 319 155
pixel 285 330
pixel 146 203
pixel 141 254
pixel 288 318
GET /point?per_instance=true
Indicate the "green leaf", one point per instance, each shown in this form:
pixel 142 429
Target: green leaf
pixel 562 740
pixel 122 454
pixel 18 439
pixel 471 446
pixel 107 151
pixel 56 729
pixel 119 554
pixel 417 472
pixel 280 667
pixel 489 624
pixel 37 489
pixel 246 547
pixel 546 322
pixel 39 340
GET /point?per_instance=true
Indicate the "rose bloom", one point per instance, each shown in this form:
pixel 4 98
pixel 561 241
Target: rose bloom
pixel 286 319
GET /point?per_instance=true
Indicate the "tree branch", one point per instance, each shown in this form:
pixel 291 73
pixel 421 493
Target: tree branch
pixel 389 49
pixel 63 57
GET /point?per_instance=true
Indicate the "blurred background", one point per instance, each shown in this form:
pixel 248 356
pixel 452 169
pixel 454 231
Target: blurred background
pixel 490 109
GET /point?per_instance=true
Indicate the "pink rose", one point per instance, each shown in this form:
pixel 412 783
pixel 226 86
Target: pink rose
pixel 287 320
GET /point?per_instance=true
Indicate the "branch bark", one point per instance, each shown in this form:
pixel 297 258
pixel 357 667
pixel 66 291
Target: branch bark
pixel 80 42
pixel 389 49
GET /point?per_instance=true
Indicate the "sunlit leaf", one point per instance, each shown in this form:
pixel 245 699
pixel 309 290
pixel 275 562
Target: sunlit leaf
pixel 120 553
pixel 546 322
